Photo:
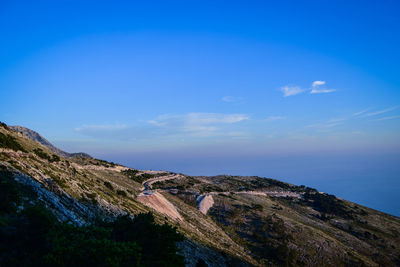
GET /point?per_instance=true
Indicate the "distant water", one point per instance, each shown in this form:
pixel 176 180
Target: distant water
pixel 370 180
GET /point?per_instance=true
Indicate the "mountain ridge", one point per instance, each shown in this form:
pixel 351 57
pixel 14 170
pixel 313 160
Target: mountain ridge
pixel 31 134
pixel 247 220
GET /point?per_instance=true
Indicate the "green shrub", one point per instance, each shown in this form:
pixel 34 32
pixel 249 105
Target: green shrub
pixel 91 195
pixel 7 141
pixel 55 158
pixel 133 175
pixel 130 172
pixel 41 154
pixel 10 196
pixel 154 239
pixel 326 203
pixel 89 246
pixel 2 124
pixel 121 193
pixel 257 207
pixel 109 185
pixel 104 163
pixel 34 237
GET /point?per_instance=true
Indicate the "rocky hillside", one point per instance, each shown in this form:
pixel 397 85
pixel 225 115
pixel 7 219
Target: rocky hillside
pixel 226 220
pixel 38 138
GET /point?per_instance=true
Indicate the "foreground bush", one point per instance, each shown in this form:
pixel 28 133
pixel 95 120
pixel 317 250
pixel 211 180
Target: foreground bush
pixel 33 237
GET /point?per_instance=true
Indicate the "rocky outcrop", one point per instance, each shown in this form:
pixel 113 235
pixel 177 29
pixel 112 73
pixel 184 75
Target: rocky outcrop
pixel 61 204
pixel 205 202
pixel 40 139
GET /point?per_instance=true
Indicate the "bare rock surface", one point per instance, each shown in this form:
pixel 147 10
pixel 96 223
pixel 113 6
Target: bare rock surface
pixel 158 202
pixel 205 202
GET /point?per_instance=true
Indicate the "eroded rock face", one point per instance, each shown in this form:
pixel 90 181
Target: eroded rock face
pixel 62 205
pixel 158 202
pixel 205 202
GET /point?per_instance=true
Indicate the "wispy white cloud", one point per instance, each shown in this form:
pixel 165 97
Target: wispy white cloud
pixel 322 91
pixel 324 125
pixel 275 118
pixel 337 119
pixel 388 118
pixel 361 112
pixel 169 125
pixel 291 90
pixel 198 118
pixel 238 135
pixel 315 88
pixel 231 99
pixel 107 131
pixel 199 124
pixel 101 127
pixel 333 122
pixel 317 83
pixel 380 112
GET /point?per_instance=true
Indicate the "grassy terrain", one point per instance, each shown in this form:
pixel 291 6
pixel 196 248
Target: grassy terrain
pixel 108 185
pixel 32 236
pixel 316 229
pixel 264 230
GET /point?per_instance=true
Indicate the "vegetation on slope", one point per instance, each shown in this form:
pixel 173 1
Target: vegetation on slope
pixel 40 153
pixel 266 236
pixel 136 176
pixel 305 227
pixel 259 220
pixel 7 141
pixel 31 236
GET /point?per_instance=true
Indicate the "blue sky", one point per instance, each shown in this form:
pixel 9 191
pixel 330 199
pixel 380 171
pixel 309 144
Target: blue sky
pixel 203 87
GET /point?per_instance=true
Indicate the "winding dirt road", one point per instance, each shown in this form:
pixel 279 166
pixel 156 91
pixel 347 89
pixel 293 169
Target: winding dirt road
pixel 206 201
pixel 155 200
pixel 148 183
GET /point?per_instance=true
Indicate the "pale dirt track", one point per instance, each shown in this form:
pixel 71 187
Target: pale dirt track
pixel 148 183
pixel 205 202
pixel 158 202
pixel 155 200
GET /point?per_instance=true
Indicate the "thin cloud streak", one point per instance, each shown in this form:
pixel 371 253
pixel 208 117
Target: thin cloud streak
pixel 197 124
pixel 388 118
pixel 198 118
pixel 337 119
pixel 380 112
pixel 318 83
pixel 315 88
pixel 361 112
pixel 104 127
pixel 291 90
pixel 169 125
pixel 231 99
pixel 324 125
pixel 322 91
pixel 275 118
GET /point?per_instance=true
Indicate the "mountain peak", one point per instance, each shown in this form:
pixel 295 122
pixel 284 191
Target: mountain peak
pixel 31 134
